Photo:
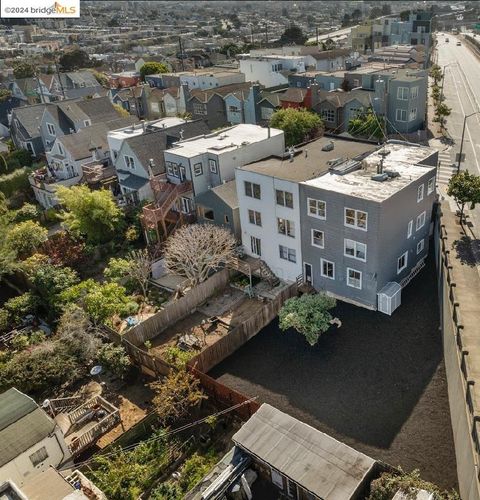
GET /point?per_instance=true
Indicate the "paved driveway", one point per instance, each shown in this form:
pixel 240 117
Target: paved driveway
pixel 377 383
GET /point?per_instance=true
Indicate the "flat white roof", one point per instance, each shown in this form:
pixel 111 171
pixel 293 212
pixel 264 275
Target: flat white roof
pixel 402 158
pixel 137 128
pixel 224 140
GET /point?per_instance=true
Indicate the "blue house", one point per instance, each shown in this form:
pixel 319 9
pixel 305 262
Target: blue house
pixel 242 106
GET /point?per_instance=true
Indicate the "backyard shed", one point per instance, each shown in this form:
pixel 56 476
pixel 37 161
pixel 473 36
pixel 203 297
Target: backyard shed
pixel 389 297
pixel 304 462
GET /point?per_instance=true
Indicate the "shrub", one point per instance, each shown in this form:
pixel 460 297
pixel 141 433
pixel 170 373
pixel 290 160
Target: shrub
pixel 4 320
pixel 14 182
pixel 114 358
pixel 26 237
pixel 177 357
pixel 18 307
pixel 27 212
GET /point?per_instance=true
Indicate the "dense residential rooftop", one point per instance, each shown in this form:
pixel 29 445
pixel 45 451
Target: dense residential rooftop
pixel 311 160
pixel 400 160
pixel 224 140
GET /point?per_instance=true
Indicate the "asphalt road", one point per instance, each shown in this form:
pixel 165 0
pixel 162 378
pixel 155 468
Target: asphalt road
pixel 462 92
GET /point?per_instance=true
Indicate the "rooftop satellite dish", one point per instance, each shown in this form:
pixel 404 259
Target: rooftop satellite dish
pixel 96 370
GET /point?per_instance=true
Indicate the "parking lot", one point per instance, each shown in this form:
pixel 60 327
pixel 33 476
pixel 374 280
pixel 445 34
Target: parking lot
pixel 377 383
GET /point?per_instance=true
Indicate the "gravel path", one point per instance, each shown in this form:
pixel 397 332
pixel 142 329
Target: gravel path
pixel 377 383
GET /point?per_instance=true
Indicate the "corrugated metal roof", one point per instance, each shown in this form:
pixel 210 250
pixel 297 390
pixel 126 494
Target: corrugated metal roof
pixel 22 424
pixel 317 462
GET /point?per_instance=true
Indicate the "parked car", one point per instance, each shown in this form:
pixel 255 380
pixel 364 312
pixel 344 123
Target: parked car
pixel 459 43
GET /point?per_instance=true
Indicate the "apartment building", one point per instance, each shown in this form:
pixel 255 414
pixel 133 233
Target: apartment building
pixel 202 79
pixel 269 199
pixel 351 219
pixel 272 70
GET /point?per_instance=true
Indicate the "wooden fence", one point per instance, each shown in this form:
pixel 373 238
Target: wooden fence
pixel 225 396
pixel 225 346
pixel 176 310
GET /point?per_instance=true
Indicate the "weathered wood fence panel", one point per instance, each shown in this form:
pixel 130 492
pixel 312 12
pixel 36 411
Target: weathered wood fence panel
pixel 176 310
pixel 237 337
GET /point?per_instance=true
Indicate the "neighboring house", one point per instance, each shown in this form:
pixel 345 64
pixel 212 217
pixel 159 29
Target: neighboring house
pixel 210 160
pixel 325 80
pixel 69 116
pixel 296 98
pixel 337 108
pixel 210 105
pixel 277 456
pixel 203 79
pixel 330 60
pixel 75 84
pixel 268 104
pixel 158 103
pixel 133 163
pixel 25 128
pixel 68 157
pixel 350 223
pixel 271 71
pixel 242 106
pixel 124 79
pixel 30 441
pixel 401 96
pixel 219 206
pixel 6 107
pixel 130 99
pixel 30 90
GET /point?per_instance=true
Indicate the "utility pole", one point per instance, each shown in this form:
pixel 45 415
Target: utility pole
pixel 316 30
pixel 181 52
pixel 59 79
pixel 463 136
pixel 266 35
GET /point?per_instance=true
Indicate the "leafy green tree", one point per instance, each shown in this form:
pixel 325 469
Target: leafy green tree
pixel 176 395
pixel 293 34
pixel 93 214
pixel 367 124
pixel 375 12
pixel 27 211
pixel 136 268
pixel 308 315
pixel 153 68
pixel 100 301
pixel 23 69
pixel 73 59
pixel 121 111
pixel 464 187
pixel 389 483
pixel 48 282
pixel 26 238
pixel 5 94
pixel 299 125
pixel 404 15
pixel 441 112
pixel 101 78
pixel 436 73
pixel 114 358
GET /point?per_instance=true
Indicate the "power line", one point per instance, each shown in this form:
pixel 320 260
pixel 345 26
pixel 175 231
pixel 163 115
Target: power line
pixel 376 118
pixel 167 433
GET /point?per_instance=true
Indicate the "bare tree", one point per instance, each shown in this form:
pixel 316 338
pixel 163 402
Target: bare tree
pixel 196 250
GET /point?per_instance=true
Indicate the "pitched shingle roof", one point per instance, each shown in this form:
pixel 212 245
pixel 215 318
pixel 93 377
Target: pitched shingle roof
pixel 152 144
pixel 207 94
pixel 29 119
pixel 22 424
pixel 294 94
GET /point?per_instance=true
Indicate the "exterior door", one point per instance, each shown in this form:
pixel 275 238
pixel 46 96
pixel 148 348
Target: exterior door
pixel 307 273
pixel 182 173
pixel 256 245
pixel 186 205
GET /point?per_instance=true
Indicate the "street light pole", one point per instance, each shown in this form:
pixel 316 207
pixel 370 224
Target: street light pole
pixel 463 136
pixel 443 78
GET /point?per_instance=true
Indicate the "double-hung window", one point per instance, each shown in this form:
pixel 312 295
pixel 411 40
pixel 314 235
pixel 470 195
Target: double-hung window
pixel 129 162
pixel 284 198
pixel 420 246
pixel 318 238
pixel 413 92
pixel 401 115
pixel 402 93
pixel 327 269
pixel 402 262
pixel 255 217
pixel 213 166
pixel 354 278
pixel 198 169
pixel 355 249
pixel 287 253
pixel 252 190
pixel 286 227
pixel 410 229
pixel 420 192
pixel 356 218
pixel 51 129
pixel 431 185
pixel 420 221
pixel 412 115
pixel 316 208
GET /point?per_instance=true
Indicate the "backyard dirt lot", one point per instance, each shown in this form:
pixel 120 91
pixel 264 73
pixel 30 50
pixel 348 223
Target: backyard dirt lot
pixel 377 383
